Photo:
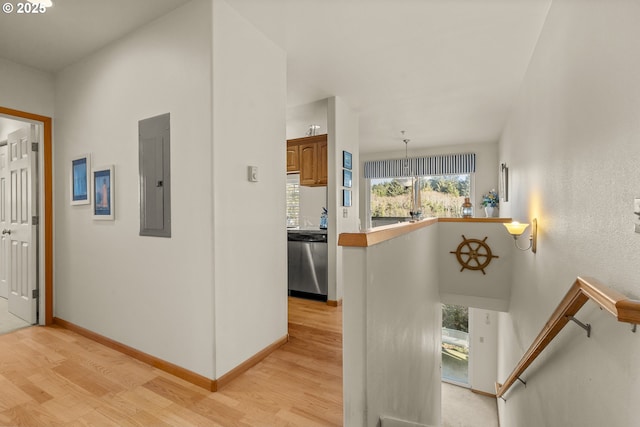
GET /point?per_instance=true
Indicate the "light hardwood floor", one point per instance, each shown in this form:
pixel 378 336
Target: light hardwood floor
pixel 53 377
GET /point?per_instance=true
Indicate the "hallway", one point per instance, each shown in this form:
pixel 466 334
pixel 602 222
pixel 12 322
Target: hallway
pixel 52 376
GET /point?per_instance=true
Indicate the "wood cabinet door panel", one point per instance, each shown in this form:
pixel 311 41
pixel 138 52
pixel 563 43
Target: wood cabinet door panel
pixel 323 174
pixel 293 158
pixel 308 164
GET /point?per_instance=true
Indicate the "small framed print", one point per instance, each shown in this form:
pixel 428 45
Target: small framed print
pixel 103 190
pixel 346 198
pixel 346 160
pixel 80 182
pixel 346 178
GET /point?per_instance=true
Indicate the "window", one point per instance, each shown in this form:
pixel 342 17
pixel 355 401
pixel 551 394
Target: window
pixel 293 201
pixel 437 196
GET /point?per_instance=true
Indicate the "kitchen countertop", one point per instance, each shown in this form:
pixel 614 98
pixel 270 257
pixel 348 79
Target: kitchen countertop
pixel 306 230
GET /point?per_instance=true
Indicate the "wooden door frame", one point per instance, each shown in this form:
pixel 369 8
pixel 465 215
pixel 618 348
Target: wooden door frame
pixel 47 177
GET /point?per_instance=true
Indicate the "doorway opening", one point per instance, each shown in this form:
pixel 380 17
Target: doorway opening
pixel 455 344
pixel 43 215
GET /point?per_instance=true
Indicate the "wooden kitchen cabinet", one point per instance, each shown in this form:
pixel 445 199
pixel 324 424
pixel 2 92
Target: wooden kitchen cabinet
pixel 309 157
pixel 293 158
pixel 308 164
pixel 323 174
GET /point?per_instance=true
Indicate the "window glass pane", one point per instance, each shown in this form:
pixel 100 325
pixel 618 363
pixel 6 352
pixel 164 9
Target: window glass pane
pixel 440 196
pixel 293 204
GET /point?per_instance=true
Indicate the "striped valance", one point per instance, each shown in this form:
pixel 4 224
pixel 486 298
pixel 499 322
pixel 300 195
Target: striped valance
pixel 448 164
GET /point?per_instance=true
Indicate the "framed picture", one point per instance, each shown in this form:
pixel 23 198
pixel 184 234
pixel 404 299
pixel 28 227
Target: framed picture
pixel 103 189
pixel 504 182
pixel 346 197
pixel 346 160
pixel 80 182
pixel 346 178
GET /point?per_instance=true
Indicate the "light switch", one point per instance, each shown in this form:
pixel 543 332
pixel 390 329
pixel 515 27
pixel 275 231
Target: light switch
pixel 345 213
pixel 253 173
pixel 636 211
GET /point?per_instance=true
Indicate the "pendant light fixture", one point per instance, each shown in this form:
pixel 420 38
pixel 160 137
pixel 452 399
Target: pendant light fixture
pixel 405 166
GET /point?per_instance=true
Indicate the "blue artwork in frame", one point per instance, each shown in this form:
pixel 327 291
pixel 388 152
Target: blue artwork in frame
pixel 103 184
pixel 346 160
pixel 346 178
pixel 79 180
pixel 346 198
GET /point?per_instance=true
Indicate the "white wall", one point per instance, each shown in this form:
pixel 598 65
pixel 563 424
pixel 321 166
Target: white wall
pixel 300 117
pixel 572 145
pixel 343 136
pixel 471 288
pixel 153 294
pixel 249 110
pixel 483 360
pixel 485 178
pixel 26 89
pixel 392 319
pixel 312 200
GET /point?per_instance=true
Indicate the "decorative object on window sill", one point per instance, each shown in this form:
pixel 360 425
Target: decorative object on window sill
pixel 516 230
pixel 467 208
pixel 474 254
pixel 490 203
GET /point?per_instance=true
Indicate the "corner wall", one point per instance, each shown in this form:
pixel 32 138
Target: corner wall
pixel 26 89
pixel 572 145
pixel 144 292
pixel 249 111
pixel 343 136
pixel 392 331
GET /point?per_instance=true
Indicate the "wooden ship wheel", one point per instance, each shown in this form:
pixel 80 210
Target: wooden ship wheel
pixel 474 254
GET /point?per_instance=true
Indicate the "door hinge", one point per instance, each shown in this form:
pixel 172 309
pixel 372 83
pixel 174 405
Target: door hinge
pixel 34 294
pixel 35 220
pixel 34 146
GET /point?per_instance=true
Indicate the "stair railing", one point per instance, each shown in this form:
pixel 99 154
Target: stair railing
pixel 583 290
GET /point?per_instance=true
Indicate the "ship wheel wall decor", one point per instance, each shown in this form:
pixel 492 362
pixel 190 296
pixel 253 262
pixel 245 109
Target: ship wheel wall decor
pixel 474 254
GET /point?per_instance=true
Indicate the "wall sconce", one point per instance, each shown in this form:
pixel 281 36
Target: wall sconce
pixel 516 229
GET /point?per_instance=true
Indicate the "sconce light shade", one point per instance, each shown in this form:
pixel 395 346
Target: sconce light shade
pixel 515 228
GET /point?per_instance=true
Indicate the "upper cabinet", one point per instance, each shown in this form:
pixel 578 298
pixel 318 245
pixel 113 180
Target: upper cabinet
pixel 308 156
pixel 293 158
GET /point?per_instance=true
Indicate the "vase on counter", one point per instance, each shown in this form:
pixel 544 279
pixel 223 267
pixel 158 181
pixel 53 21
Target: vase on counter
pixel 491 211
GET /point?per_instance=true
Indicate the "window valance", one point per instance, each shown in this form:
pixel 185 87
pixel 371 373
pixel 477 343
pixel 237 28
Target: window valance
pixel 448 164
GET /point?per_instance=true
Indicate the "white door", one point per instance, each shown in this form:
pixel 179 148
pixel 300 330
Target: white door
pixel 21 229
pixel 4 223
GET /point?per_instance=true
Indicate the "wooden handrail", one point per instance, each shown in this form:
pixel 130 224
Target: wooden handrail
pixel 584 289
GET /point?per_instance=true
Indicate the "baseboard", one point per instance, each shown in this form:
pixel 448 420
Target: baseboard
pixel 251 362
pixel 163 365
pixel 332 303
pixel 483 393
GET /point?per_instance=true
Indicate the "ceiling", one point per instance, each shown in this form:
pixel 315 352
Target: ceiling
pixel 446 71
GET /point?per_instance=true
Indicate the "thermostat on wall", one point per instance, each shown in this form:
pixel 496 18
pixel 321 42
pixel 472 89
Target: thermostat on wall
pixel 253 173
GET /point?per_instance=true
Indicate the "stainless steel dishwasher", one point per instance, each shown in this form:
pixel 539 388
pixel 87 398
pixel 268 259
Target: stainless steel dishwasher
pixel 308 258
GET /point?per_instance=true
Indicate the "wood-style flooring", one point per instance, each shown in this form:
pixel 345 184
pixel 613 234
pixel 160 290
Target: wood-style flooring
pixel 50 376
